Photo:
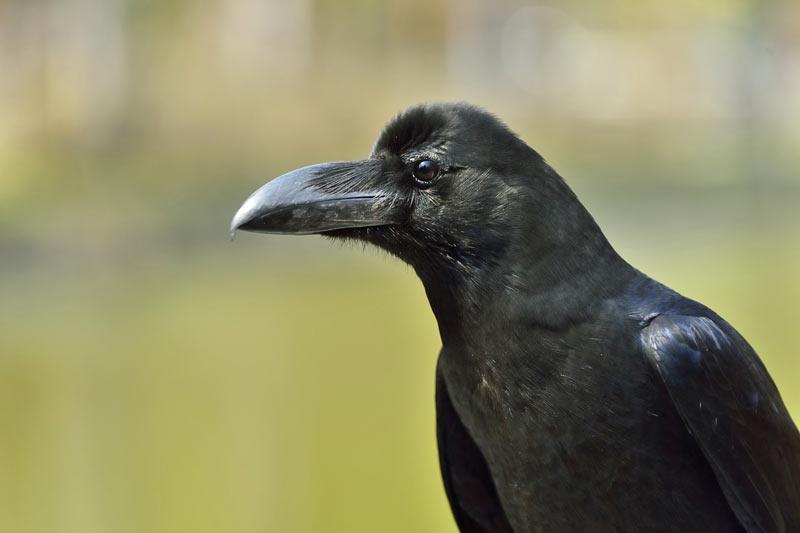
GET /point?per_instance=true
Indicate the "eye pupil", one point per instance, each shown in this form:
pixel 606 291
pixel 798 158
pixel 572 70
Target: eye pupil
pixel 426 170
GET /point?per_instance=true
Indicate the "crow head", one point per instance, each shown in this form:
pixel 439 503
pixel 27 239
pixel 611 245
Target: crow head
pixel 448 188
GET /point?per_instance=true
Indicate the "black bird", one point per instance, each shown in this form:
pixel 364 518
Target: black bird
pixel 574 393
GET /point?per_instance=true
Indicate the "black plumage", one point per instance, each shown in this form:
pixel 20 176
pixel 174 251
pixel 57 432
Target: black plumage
pixel 574 393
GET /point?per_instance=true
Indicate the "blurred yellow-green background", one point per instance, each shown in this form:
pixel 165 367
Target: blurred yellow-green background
pixel 156 377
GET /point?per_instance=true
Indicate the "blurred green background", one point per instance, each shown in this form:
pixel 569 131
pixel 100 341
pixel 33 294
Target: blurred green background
pixel 155 376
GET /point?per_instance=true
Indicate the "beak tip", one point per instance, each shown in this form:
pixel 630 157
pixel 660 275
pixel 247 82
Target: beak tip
pixel 243 217
pixel 235 223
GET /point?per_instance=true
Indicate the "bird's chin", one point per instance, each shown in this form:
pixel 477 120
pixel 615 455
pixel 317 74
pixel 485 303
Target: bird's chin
pixel 388 238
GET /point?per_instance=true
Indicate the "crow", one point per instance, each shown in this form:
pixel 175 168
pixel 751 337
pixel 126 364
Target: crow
pixel 573 392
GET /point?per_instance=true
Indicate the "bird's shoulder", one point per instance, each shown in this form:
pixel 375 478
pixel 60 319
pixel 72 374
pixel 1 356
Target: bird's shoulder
pixel 730 405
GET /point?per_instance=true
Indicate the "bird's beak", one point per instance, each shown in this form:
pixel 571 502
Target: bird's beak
pixel 321 198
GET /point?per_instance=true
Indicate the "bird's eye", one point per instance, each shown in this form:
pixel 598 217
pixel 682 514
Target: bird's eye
pixel 425 171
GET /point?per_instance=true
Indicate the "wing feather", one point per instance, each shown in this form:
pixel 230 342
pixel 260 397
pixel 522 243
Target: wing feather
pixel 467 480
pixel 731 407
